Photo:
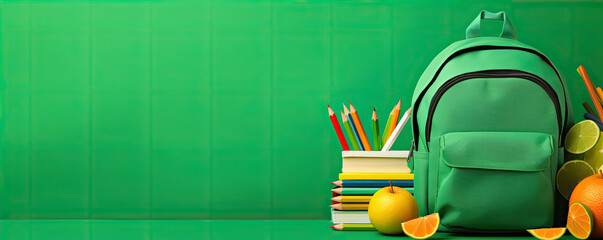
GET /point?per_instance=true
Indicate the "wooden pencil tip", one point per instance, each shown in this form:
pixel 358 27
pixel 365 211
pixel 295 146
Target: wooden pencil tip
pixel 352 107
pixel 345 109
pixel 333 227
pixel 331 113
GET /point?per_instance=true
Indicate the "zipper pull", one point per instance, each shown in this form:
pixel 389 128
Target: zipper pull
pixel 412 148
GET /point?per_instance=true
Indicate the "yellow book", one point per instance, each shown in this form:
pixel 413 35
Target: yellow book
pixel 352 199
pixel 376 176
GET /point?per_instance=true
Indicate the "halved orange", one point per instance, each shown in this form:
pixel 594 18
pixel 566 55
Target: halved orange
pixel 423 227
pixel 579 221
pixel 547 233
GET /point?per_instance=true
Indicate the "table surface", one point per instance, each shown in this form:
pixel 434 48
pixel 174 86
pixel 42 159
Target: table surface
pixel 195 229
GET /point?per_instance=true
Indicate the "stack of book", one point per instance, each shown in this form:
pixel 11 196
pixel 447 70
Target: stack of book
pixel 363 174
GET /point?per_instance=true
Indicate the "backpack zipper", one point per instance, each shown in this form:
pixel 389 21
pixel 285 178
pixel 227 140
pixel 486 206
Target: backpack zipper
pixel 481 48
pixel 492 74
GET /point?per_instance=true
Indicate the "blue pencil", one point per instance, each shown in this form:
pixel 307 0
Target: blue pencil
pixel 373 183
pixel 349 115
pixel 594 119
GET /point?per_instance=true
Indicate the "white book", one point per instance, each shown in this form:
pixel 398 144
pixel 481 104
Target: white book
pixel 338 217
pixel 375 162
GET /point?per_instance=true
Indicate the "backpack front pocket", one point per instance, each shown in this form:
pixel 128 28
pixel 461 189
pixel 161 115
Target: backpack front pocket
pixel 495 180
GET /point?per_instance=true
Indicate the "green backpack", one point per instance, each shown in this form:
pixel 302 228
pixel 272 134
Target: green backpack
pixel 488 118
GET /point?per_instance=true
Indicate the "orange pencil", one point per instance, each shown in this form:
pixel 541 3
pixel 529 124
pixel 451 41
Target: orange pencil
pixel 363 138
pixel 394 119
pixel 344 143
pixel 591 90
pixel 600 94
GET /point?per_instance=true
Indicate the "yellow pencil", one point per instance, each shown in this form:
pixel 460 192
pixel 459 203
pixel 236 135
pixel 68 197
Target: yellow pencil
pixel 397 130
pixel 350 206
pixel 395 117
pixel 365 142
pixel 352 199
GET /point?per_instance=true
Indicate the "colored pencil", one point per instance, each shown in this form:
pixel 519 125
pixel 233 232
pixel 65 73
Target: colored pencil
pixel 588 109
pixel 386 129
pixel 376 137
pixel 350 206
pixel 373 183
pixel 362 191
pixel 344 143
pixel 350 132
pixel 390 141
pixel 352 199
pixel 394 119
pixel 591 90
pixel 353 126
pixel 594 119
pixel 600 94
pixel 363 138
pixel 353 227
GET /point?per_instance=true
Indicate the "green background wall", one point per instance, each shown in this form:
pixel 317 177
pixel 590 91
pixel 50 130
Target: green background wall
pixel 217 109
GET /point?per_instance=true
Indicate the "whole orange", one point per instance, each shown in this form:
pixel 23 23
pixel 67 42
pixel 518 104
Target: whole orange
pixel 590 193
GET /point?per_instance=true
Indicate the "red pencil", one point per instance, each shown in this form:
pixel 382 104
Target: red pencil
pixel 591 90
pixel 344 143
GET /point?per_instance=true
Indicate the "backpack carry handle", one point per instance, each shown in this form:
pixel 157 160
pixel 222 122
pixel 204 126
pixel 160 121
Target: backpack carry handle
pixel 473 30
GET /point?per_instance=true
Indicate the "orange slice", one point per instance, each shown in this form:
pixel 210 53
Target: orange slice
pixel 423 227
pixel 579 221
pixel 547 233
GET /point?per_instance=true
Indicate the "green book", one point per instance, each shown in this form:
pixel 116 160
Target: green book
pixel 366 191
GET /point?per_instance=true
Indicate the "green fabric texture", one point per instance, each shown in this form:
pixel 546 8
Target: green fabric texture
pixel 488 118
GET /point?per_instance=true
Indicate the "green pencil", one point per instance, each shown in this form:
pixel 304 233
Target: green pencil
pixel 353 227
pixel 348 129
pixel 386 129
pixel 376 136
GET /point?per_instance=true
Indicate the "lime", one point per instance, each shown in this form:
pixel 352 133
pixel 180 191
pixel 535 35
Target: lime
pixel 594 156
pixel 582 137
pixel 570 174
